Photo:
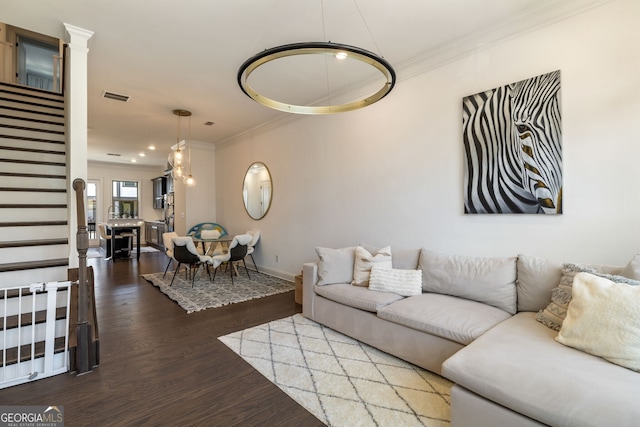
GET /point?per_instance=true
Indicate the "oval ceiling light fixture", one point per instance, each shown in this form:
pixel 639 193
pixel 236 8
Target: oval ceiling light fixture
pixel 316 48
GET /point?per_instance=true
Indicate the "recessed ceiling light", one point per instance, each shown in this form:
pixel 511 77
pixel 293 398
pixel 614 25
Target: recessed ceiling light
pixel 141 154
pixel 134 161
pixel 151 147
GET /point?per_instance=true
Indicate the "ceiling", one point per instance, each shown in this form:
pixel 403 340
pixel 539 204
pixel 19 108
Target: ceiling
pixel 186 54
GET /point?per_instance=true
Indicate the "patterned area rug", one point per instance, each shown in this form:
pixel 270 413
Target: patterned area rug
pixel 207 294
pixel 339 380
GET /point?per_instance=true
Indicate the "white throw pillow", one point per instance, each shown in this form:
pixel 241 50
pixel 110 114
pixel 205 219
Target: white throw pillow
pixel 402 282
pixel 336 265
pixel 603 319
pixel 488 280
pixel 364 260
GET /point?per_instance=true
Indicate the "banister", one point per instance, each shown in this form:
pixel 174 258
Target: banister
pixel 82 240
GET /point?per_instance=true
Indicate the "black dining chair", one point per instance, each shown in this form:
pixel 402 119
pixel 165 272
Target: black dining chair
pixel 185 252
pixel 237 252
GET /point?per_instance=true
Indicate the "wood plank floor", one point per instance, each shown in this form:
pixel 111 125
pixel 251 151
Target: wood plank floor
pixel 160 366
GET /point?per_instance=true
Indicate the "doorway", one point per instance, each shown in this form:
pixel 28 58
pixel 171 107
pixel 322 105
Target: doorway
pixel 91 212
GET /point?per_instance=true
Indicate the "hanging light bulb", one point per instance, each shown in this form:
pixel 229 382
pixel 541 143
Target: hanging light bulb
pixel 177 172
pixel 177 156
pixel 190 181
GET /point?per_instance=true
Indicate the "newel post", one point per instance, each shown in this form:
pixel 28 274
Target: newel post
pixel 83 329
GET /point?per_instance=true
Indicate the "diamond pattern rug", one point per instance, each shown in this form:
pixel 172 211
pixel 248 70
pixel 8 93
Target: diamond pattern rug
pixel 207 294
pixel 341 381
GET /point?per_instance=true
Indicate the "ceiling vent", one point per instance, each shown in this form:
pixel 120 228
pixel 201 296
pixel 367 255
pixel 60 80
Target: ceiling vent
pixel 115 96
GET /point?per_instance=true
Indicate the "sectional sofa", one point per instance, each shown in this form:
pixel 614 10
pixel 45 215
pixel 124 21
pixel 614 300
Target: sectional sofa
pixel 494 327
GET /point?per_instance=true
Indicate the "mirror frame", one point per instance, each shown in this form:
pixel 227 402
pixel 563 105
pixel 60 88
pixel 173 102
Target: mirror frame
pixel 244 186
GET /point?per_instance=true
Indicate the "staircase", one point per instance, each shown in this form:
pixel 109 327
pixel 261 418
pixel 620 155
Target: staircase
pixel 34 236
pixel 33 198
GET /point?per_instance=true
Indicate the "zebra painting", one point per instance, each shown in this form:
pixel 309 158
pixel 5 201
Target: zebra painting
pixel 513 144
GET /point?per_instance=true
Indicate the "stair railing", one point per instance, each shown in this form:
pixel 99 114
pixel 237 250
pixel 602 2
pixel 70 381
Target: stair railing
pixel 83 329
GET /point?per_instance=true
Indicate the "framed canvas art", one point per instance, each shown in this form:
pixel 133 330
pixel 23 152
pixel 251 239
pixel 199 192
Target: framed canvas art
pixel 513 146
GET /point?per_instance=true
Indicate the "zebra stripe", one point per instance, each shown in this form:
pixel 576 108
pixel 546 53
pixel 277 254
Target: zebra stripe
pixel 512 141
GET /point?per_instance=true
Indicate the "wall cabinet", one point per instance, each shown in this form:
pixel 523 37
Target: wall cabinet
pixel 153 231
pixel 159 190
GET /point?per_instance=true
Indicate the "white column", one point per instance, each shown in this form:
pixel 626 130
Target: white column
pixel 76 116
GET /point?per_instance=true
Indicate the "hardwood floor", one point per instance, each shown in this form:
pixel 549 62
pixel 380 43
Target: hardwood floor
pixel 163 367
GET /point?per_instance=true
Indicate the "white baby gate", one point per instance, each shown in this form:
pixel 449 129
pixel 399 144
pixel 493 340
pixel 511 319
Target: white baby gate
pixel 35 331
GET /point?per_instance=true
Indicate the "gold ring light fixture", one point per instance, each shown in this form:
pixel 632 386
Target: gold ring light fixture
pixel 316 48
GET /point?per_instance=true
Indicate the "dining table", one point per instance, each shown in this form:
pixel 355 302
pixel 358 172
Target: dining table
pixel 123 227
pixel 209 252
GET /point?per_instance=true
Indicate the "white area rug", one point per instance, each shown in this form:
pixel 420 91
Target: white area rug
pixel 339 380
pixel 207 294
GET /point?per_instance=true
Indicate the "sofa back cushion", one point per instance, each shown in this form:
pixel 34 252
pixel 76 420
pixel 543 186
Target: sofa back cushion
pixel 488 280
pixel 536 278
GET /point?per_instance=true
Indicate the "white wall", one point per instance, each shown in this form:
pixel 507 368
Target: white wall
pixel 197 204
pixel 392 173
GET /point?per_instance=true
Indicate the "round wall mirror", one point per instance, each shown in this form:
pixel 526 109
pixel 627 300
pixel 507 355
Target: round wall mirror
pixel 257 190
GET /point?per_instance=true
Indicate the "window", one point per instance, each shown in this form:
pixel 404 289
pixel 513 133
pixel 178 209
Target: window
pixel 124 199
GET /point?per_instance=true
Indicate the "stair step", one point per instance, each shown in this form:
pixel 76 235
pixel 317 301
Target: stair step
pixel 25 351
pixel 30 144
pixel 8 135
pixel 32 223
pixel 24 167
pixel 32 175
pixel 53 197
pixel 22 149
pixel 30 115
pixel 25 318
pixel 34 232
pixel 33 213
pixel 31 92
pixel 31 101
pixel 31 265
pixel 31 128
pixel 12 117
pixel 22 161
pixel 40 242
pixel 14 254
pixel 8 104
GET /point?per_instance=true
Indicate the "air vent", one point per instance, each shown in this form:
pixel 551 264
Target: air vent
pixel 115 96
pixel 114 154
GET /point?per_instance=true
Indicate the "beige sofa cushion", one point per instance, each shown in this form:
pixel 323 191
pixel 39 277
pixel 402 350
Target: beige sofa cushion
pixel 453 318
pixel 357 297
pixel 604 320
pixel 519 365
pixel 335 265
pixel 536 278
pixel 364 260
pixel 488 280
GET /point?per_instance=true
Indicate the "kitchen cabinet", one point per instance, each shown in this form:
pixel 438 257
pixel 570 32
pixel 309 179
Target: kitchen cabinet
pixel 159 190
pixel 153 231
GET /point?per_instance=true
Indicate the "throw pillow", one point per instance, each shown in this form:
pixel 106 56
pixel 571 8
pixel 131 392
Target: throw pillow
pixel 364 260
pixel 402 282
pixel 488 280
pixel 632 270
pixel 604 320
pixel 554 314
pixel 335 265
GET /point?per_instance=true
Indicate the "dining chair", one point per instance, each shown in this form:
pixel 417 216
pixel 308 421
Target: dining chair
pixel 168 247
pixel 255 236
pixel 185 252
pixel 237 252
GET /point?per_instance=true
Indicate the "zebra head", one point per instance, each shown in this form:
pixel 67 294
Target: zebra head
pixel 536 119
